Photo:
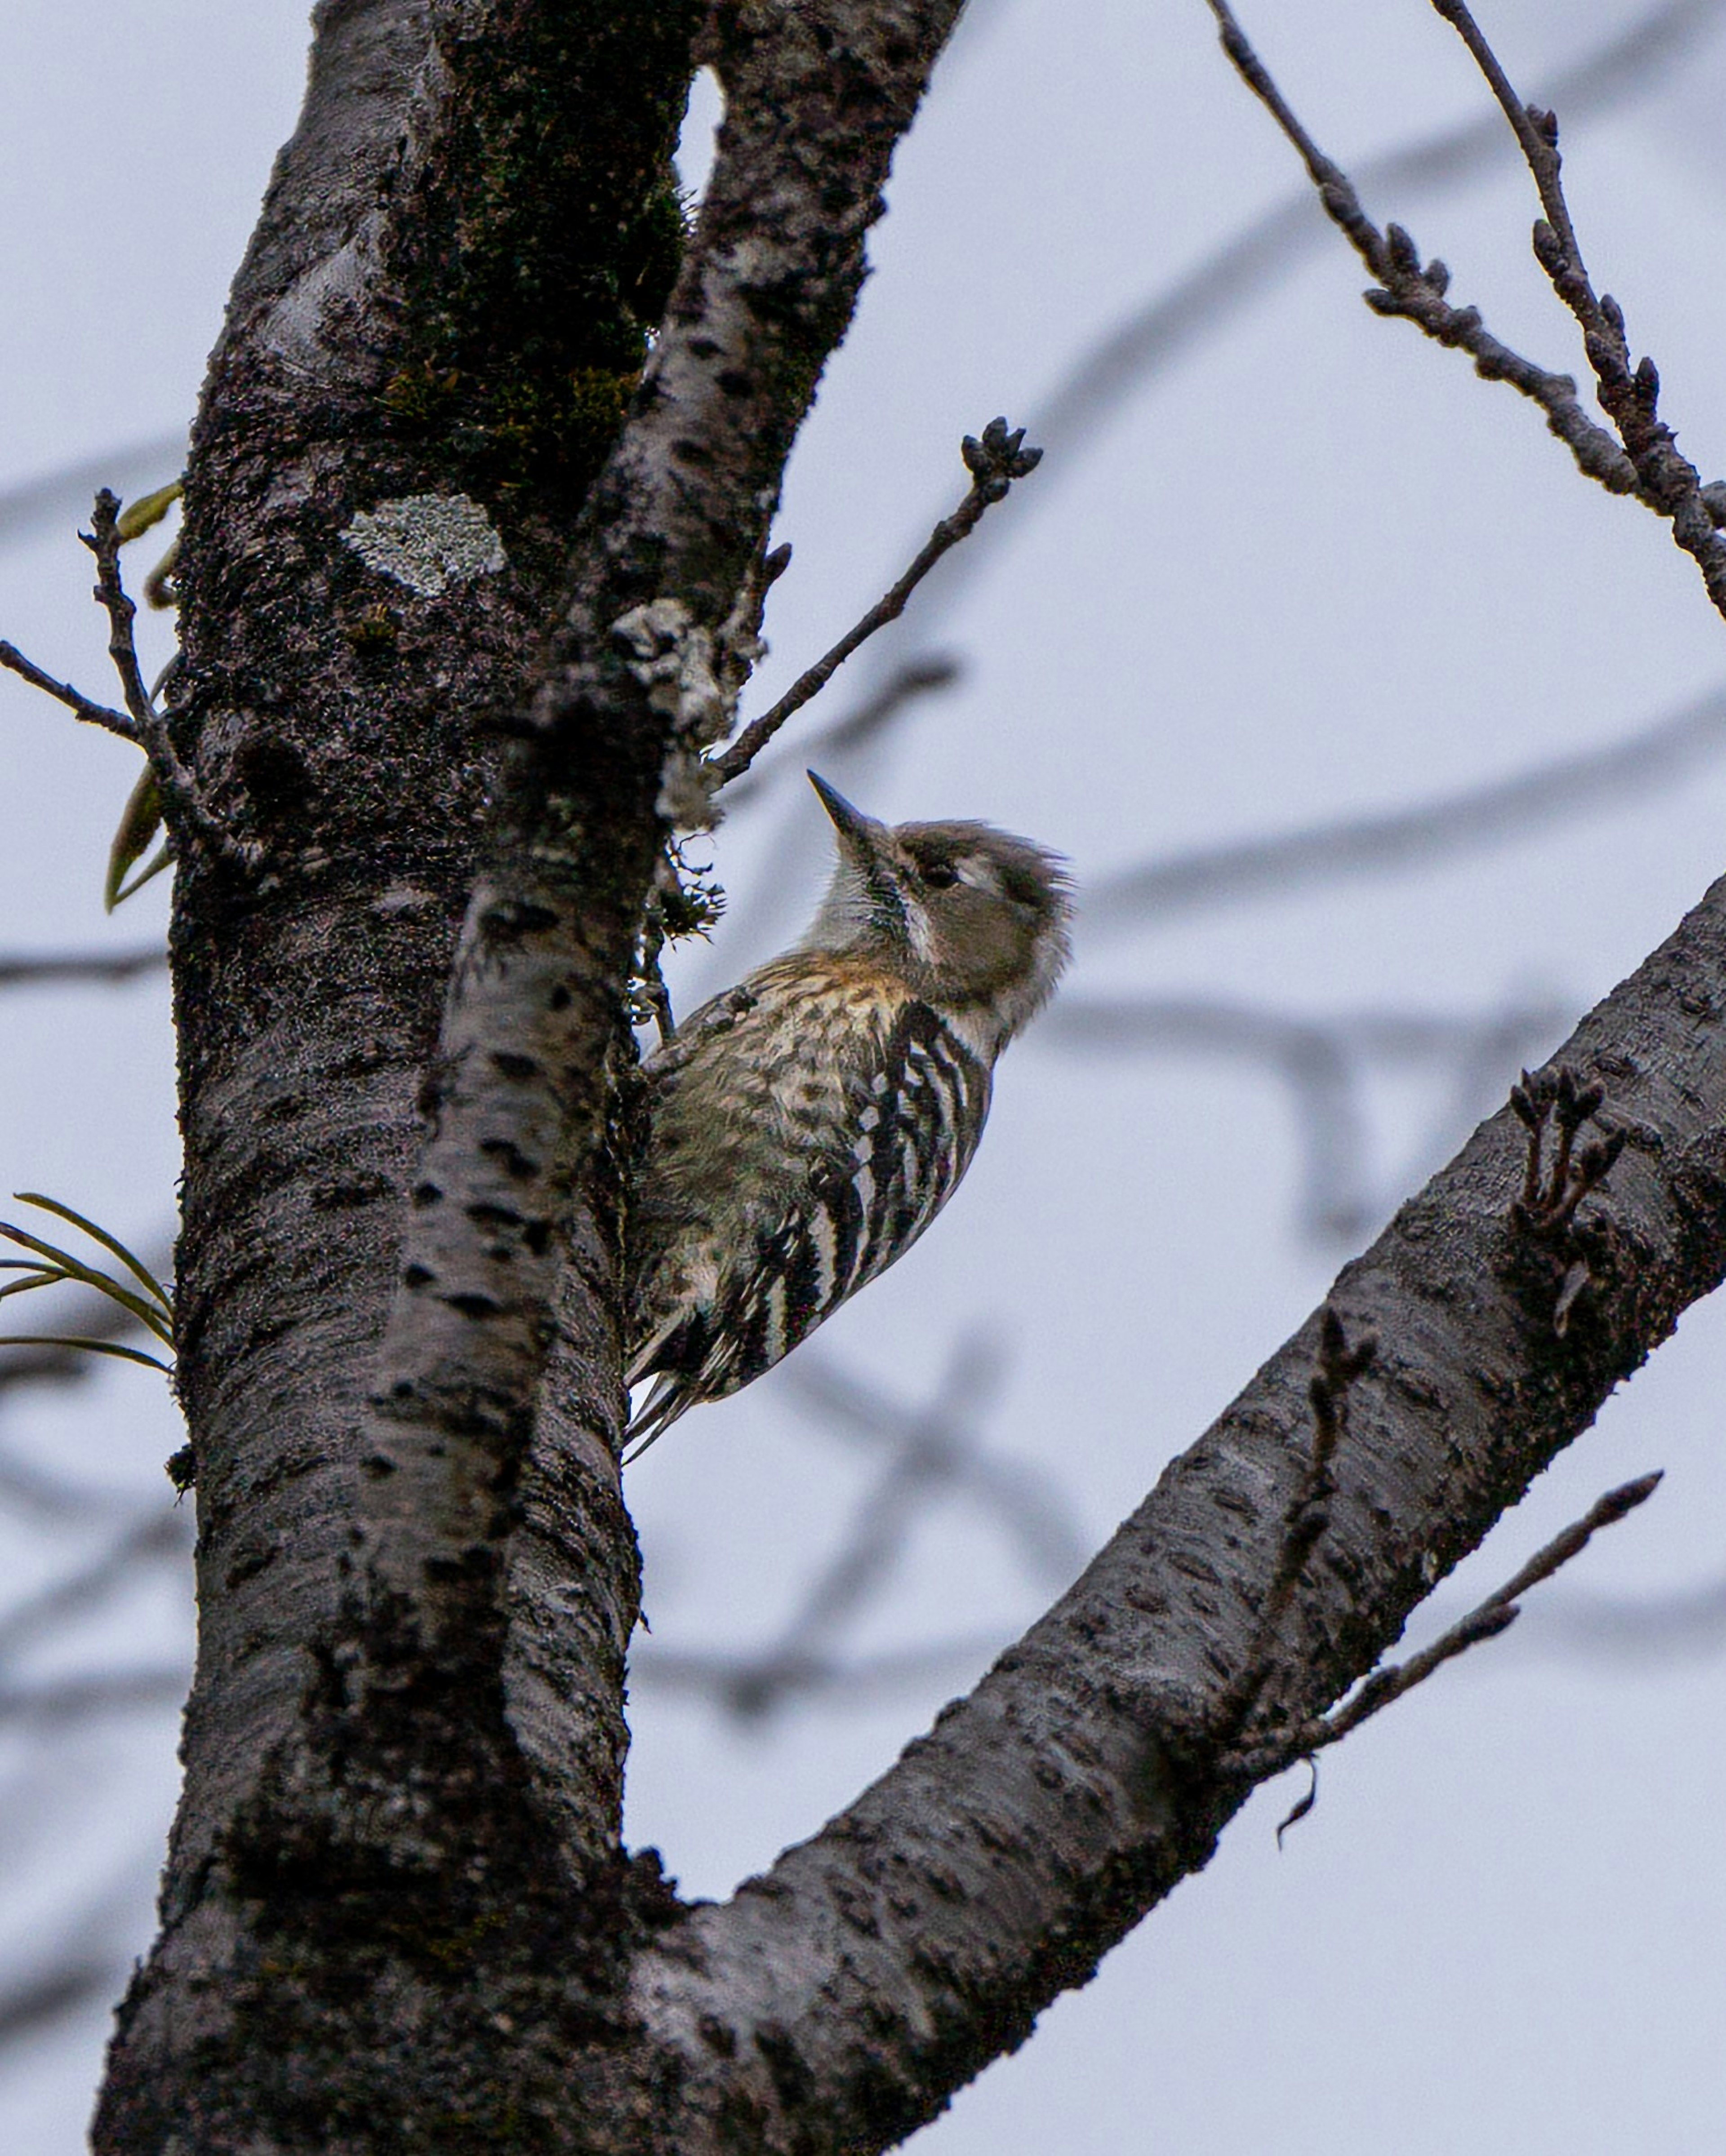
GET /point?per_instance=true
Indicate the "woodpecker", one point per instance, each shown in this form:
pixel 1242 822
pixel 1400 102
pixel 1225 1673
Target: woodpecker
pixel 808 1124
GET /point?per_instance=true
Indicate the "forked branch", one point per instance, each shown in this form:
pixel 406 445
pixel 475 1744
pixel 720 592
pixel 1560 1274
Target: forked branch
pixel 1640 455
pixel 1496 1615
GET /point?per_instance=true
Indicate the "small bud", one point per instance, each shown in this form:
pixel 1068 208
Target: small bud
pixel 1404 253
pixel 1364 1354
pixel 1604 359
pixel 1438 276
pixel 998 457
pixel 1613 312
pixel 1648 384
pixel 1549 250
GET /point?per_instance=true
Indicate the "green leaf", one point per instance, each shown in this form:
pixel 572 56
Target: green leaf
pixel 139 821
pixel 143 515
pixel 38 1279
pixel 111 1243
pixel 94 1347
pixel 69 1268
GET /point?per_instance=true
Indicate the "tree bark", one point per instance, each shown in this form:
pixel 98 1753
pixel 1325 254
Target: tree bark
pixel 463 601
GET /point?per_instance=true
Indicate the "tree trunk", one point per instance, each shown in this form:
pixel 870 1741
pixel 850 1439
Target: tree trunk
pixel 464 601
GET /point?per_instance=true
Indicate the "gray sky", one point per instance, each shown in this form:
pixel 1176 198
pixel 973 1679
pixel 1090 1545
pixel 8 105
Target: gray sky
pixel 1311 568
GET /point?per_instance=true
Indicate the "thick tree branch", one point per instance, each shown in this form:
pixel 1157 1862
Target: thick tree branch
pixel 880 1965
pixel 645 668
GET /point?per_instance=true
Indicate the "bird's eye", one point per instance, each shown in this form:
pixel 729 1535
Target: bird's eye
pixel 939 875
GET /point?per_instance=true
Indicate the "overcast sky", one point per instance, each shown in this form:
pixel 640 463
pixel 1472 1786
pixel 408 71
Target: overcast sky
pixel 1307 568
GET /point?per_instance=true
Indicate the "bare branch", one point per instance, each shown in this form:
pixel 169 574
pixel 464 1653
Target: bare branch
pixel 50 969
pixel 104 541
pixel 1644 460
pixel 182 800
pixel 93 714
pixel 994 462
pixel 1402 838
pixel 1171 321
pixel 1405 289
pixel 1627 62
pixel 1485 1621
pixel 1665 479
pixel 856 729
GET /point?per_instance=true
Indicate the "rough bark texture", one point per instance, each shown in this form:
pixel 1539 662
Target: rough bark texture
pixel 397 1915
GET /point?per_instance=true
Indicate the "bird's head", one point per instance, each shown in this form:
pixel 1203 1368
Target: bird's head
pixel 973 919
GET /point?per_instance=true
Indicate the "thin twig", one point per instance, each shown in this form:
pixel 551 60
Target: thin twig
pixel 103 541
pixel 1538 146
pixel 1665 479
pixel 854 729
pixel 1416 294
pixel 995 461
pixel 1493 1616
pixel 182 801
pixel 1643 460
pixel 93 714
pixel 1339 1363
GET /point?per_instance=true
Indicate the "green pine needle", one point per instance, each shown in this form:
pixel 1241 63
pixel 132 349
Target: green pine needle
pixel 47 1266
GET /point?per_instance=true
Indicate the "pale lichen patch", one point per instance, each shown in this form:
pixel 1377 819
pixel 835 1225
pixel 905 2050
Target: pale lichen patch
pixel 428 542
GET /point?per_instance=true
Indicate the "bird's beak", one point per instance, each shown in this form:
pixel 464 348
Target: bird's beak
pixel 861 835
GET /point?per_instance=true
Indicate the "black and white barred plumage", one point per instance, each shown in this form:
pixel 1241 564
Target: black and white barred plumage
pixel 808 1126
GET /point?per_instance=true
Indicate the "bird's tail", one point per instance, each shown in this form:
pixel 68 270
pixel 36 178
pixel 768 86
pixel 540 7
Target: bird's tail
pixel 661 1408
